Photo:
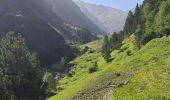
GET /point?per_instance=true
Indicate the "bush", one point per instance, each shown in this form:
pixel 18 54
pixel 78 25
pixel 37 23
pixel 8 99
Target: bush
pixel 91 51
pixel 71 73
pixel 85 50
pixel 129 53
pixel 94 68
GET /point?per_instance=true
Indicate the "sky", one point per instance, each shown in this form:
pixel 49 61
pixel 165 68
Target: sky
pixel 124 5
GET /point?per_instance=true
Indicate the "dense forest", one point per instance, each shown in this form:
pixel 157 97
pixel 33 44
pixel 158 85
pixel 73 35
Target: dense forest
pixel 20 75
pixel 44 57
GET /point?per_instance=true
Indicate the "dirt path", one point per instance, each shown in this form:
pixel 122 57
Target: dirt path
pixel 107 96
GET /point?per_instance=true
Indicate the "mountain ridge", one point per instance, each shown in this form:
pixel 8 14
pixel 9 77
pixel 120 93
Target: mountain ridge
pixel 31 19
pixel 71 13
pixel 107 18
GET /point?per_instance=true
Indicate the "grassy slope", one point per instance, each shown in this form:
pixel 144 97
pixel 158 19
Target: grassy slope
pixel 143 75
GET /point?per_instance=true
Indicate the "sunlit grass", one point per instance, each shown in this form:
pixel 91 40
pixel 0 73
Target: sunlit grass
pixel 143 75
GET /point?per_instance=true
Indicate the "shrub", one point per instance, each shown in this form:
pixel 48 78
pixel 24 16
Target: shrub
pixel 85 50
pixel 94 68
pixel 129 53
pixel 71 73
pixel 91 51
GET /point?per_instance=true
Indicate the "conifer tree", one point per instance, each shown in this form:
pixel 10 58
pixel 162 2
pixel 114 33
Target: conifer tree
pixel 106 49
pixel 114 41
pixel 129 26
pixel 136 18
pixel 138 34
pixel 19 75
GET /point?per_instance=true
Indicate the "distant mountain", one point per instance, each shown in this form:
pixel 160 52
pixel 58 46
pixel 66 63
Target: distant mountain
pixel 107 18
pixel 70 12
pixel 44 31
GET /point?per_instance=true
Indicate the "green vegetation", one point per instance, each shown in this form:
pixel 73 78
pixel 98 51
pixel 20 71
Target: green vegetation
pixel 150 73
pixel 20 76
pixel 138 56
pixel 106 49
pixel 133 64
pixel 94 68
pixel 150 20
pixel 143 75
pixel 44 32
pixel 109 45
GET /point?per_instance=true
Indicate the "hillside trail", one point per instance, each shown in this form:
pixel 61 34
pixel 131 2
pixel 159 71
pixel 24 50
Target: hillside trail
pixel 107 96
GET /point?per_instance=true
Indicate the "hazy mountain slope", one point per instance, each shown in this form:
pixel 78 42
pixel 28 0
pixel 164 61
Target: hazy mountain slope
pixel 70 12
pixel 108 19
pixel 29 18
pixel 43 30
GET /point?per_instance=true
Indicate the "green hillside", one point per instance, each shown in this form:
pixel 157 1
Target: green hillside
pixel 133 64
pixel 143 75
pixel 44 57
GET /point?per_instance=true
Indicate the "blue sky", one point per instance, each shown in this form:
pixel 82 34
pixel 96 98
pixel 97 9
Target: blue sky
pixel 119 4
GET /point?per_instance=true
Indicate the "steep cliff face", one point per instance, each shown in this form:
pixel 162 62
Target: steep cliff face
pixel 70 12
pixel 108 19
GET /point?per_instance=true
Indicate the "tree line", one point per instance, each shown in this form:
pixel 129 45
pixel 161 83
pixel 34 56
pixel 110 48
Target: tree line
pixel 148 21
